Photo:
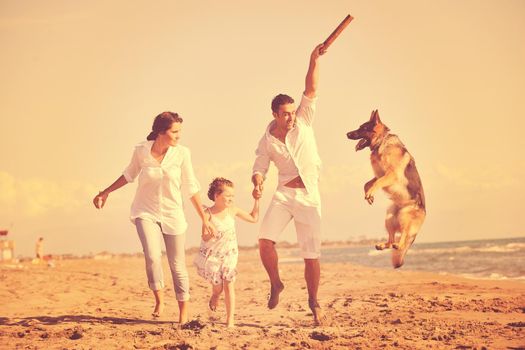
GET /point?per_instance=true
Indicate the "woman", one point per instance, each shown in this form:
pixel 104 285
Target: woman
pixel 163 168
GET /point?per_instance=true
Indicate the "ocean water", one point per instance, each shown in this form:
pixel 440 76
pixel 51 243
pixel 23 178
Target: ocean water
pixel 497 259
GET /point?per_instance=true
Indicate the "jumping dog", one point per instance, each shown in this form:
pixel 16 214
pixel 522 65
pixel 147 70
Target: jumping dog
pixel 395 172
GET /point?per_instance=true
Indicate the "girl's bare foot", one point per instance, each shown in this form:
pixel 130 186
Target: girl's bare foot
pixel 159 308
pixel 215 295
pixel 214 302
pixel 183 319
pixel 319 315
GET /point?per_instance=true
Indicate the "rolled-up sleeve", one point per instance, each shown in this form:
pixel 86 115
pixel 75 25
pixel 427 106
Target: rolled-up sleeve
pixel 133 169
pixel 262 159
pixel 306 110
pixel 189 181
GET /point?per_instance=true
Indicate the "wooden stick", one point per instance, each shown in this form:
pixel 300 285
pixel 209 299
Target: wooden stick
pixel 337 31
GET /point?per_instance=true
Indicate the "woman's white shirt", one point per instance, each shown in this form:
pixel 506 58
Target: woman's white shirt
pixel 160 186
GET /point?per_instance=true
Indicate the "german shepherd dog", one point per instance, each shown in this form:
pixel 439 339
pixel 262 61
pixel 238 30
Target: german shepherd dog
pixel 395 172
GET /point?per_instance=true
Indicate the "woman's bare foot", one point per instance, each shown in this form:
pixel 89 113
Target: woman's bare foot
pixel 319 315
pixel 230 323
pixel 183 312
pixel 159 303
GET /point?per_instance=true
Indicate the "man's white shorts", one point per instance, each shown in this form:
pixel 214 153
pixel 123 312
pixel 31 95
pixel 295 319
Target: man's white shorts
pixel 296 203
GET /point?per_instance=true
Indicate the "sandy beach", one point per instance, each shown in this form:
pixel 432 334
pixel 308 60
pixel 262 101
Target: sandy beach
pixel 105 304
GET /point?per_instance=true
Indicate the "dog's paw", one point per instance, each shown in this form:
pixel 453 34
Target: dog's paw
pixel 382 246
pixel 398 246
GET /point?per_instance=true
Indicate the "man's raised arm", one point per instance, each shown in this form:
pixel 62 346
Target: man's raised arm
pixel 312 76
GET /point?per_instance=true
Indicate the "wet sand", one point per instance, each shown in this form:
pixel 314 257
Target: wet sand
pixel 105 304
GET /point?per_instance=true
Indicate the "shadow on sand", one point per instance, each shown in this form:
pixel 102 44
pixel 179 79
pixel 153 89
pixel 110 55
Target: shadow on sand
pixel 54 320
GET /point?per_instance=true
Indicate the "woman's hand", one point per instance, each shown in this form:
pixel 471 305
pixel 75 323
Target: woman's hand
pixel 208 230
pixel 100 199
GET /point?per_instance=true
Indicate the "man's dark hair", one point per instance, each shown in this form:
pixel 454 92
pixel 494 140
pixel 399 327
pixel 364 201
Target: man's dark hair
pixel 279 100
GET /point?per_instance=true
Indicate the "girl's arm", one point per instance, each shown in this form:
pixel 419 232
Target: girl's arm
pixel 250 217
pixel 101 197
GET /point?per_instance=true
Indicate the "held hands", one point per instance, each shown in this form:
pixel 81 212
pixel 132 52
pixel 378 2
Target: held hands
pixel 100 199
pixel 208 230
pixel 258 187
pixel 257 192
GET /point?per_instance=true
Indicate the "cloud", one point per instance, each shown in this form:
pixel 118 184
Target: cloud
pixel 35 197
pixel 487 178
pixel 7 189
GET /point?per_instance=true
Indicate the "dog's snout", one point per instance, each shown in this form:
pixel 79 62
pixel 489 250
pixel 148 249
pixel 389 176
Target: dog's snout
pixel 352 135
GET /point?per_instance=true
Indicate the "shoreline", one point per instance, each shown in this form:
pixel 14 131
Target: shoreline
pixel 288 255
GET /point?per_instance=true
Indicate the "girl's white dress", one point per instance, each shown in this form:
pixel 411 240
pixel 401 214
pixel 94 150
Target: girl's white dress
pixel 217 257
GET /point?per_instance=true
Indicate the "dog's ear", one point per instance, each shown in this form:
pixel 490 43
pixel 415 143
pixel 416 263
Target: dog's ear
pixel 372 115
pixel 375 117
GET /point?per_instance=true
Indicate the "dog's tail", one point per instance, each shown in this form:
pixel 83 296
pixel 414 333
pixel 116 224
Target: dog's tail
pixel 398 255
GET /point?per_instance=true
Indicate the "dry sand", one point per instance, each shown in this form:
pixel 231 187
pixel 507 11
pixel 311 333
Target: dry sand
pixel 105 304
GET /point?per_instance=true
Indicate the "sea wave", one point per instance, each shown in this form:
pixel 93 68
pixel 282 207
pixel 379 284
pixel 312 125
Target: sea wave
pixel 505 248
pixel 375 252
pixel 493 276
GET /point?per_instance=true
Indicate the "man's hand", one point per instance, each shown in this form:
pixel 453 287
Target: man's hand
pixel 318 51
pixel 312 76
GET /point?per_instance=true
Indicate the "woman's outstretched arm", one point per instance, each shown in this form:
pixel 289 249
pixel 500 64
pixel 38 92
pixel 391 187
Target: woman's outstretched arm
pixel 102 196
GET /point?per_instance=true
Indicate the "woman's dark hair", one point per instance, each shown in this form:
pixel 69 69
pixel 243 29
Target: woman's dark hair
pixel 279 100
pixel 217 187
pixel 162 123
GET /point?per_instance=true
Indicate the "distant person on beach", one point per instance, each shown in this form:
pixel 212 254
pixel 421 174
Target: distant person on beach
pixel 217 258
pixel 290 144
pixel 39 248
pixel 163 168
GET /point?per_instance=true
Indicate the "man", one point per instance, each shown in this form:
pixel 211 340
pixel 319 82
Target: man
pixel 290 143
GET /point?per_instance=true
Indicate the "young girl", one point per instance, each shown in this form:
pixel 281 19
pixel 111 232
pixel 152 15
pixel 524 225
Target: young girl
pixel 217 258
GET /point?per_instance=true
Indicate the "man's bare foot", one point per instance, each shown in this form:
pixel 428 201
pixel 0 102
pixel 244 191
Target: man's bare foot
pixel 273 301
pixel 159 308
pixel 319 315
pixel 230 323
pixel 214 302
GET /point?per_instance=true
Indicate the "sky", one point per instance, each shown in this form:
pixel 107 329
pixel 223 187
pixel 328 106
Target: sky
pixel 82 82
